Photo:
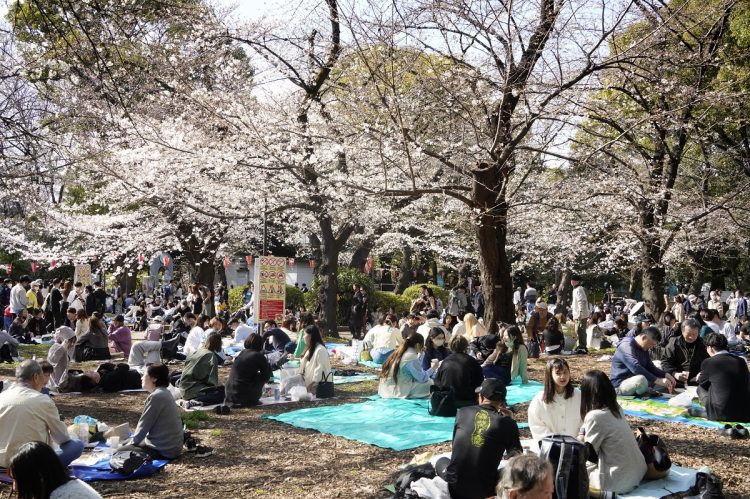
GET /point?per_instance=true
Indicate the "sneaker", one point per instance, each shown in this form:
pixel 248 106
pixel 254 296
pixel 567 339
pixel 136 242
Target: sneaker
pixel 204 451
pixel 191 444
pixel 189 404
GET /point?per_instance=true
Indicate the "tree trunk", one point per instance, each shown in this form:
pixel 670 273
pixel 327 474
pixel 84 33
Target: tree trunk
pixel 564 293
pixel 491 231
pixel 222 273
pixel 434 271
pixel 698 276
pixel 633 285
pixel 653 278
pixel 404 276
pixel 328 287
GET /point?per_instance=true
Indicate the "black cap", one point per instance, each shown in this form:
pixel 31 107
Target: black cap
pixel 492 389
pixel 120 318
pixel 575 277
pixel 645 318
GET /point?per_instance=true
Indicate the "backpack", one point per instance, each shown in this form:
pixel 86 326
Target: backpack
pixel 568 457
pixel 442 402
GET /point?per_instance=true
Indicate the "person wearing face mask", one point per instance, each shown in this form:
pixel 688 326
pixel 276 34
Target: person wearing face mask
pixel 435 350
pixel 402 375
pixel 509 359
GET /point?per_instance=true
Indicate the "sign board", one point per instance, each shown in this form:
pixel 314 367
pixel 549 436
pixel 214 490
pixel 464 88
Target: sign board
pixel 270 288
pixel 82 274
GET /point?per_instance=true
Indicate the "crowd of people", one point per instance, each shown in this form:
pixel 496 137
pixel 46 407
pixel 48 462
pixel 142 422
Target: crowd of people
pixel 435 347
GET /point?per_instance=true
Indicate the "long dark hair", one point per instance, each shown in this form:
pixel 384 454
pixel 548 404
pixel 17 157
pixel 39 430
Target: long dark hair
pixel 429 346
pixel 394 360
pixel 597 392
pixel 553 365
pixel 553 325
pixel 315 340
pixel 37 471
pixel 515 334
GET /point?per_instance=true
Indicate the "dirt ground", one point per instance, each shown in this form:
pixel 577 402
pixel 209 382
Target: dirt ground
pixel 260 458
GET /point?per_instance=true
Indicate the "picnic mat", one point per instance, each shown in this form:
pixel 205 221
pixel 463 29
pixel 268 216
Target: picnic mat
pixel 658 409
pixel 389 423
pixel 91 467
pixel 263 401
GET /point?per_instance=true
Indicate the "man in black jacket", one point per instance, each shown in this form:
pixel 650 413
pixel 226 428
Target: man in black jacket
pixel 482 434
pixel 724 388
pixel 683 355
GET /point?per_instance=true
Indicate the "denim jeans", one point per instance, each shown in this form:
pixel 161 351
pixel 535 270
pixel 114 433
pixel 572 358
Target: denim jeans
pixel 70 451
pixel 379 355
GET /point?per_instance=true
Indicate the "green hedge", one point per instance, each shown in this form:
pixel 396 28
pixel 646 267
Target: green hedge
pixel 385 300
pixel 294 298
pixel 412 293
pixel 347 276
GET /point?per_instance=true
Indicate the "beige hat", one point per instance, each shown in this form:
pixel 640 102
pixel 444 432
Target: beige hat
pixel 541 304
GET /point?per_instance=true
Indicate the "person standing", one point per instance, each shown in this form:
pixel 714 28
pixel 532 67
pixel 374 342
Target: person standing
pixel 581 312
pixel 357 312
pixel 54 312
pixel 18 298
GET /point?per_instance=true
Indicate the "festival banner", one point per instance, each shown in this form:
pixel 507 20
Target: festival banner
pixel 270 288
pixel 82 274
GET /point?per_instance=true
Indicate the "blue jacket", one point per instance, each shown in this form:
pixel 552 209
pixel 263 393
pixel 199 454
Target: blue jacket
pixel 630 360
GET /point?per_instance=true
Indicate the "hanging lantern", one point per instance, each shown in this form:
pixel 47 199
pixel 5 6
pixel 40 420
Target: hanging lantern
pixel 290 262
pixel 249 259
pixel 166 260
pixel 226 261
pixel 140 259
pixel 34 267
pixel 52 263
pixel 312 263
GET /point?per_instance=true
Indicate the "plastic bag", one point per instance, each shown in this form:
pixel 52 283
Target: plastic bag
pixel 299 393
pixel 296 380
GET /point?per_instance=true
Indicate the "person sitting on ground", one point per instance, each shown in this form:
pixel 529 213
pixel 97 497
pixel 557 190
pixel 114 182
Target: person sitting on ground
pixel 58 355
pixel 554 339
pixel 38 473
pixel 632 371
pixel 557 409
pixel 182 325
pixel 197 336
pixel 305 319
pixel 527 476
pixel 472 327
pixel 199 384
pixel 26 415
pixel 684 354
pixel 460 372
pixel 36 326
pixel 384 339
pixel 80 382
pixel 155 330
pixel 481 435
pixel 275 339
pixel 509 360
pixel 595 335
pixel 94 343
pixel 82 322
pixel 159 430
pixel 744 329
pixel 431 322
pixel 410 326
pixel 538 320
pixel 316 363
pixel 286 325
pixel 18 328
pixel 241 331
pixel 117 377
pixel 618 464
pixel 8 347
pixel 120 336
pixel 724 384
pixel 642 322
pixel 250 372
pixel 435 349
pixel 402 375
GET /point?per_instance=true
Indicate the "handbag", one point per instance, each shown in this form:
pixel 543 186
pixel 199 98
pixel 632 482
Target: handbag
pixel 568 458
pixel 324 390
pixel 654 450
pixel 442 402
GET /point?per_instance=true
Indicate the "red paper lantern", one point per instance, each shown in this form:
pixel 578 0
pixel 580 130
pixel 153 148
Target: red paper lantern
pixel 249 259
pixel 52 263
pixel 290 262
pixel 33 267
pixel 226 262
pixel 166 260
pixel 312 263
pixel 140 259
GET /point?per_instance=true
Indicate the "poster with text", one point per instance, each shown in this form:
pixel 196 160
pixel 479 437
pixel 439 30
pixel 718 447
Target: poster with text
pixel 82 273
pixel 270 288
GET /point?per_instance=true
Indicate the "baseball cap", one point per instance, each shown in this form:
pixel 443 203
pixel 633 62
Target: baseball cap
pixel 492 389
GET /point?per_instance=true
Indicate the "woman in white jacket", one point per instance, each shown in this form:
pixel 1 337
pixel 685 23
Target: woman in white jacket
pixel 402 375
pixel 316 364
pixel 557 409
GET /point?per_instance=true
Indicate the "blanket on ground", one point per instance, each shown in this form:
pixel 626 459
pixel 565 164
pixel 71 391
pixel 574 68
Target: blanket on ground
pixel 659 409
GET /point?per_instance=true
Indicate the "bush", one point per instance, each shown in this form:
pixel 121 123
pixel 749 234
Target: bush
pixel 295 298
pixel 412 293
pixel 235 298
pixel 384 300
pixel 347 276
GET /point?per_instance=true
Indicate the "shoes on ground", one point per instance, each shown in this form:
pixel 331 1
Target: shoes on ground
pixel 189 404
pixel 204 451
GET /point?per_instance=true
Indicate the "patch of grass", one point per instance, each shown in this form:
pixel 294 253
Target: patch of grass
pixel 331 339
pixel 605 351
pixel 193 420
pixel 356 388
pixel 216 432
pixel 29 351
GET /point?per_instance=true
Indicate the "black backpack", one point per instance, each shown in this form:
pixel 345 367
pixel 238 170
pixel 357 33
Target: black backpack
pixel 533 347
pixel 442 402
pixel 568 457
pixel 127 462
